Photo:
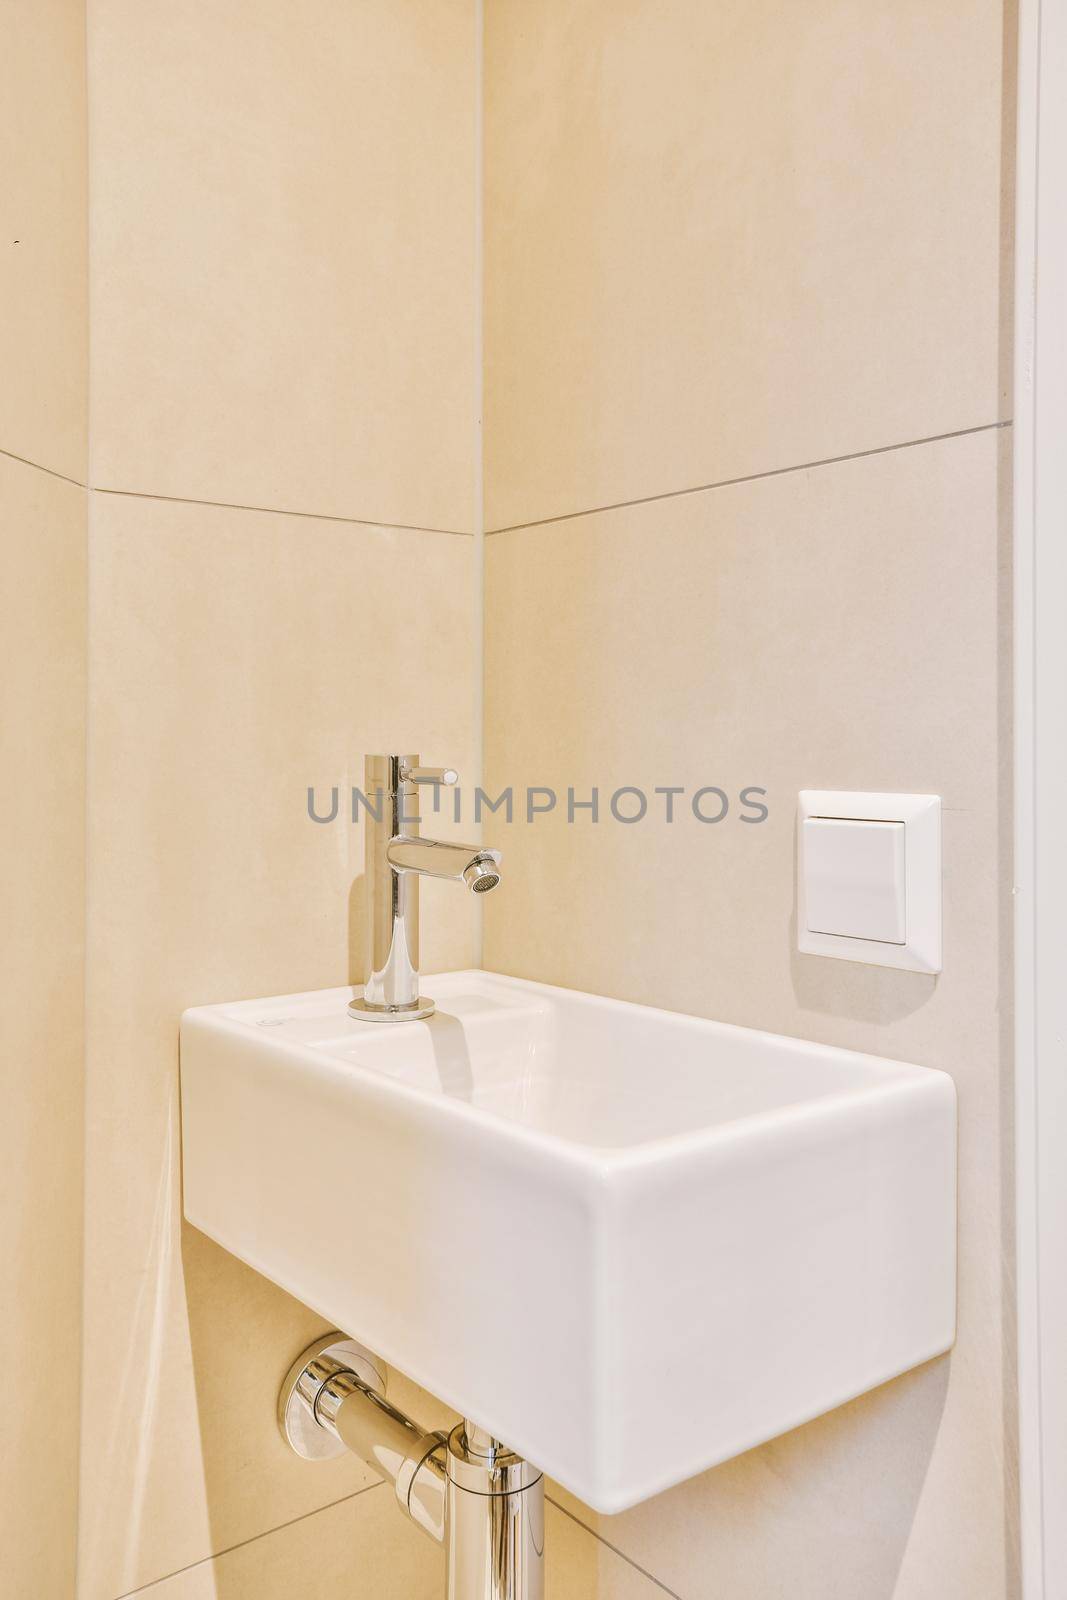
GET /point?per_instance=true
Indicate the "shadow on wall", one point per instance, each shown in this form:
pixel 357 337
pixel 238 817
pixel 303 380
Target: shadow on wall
pixel 357 929
pixel 243 1330
pixel 867 994
pixel 111 1550
pixel 830 1504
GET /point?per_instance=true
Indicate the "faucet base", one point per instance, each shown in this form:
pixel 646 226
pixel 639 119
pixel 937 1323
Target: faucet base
pixel 416 1011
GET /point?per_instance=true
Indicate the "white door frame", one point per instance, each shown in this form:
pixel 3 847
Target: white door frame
pixel 1040 658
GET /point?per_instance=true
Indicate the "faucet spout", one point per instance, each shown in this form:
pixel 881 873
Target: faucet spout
pixel 434 858
pixel 397 857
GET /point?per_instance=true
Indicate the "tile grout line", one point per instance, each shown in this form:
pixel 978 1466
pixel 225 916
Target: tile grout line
pixel 751 477
pixel 513 527
pixel 613 1548
pixel 242 1544
pixel 281 1527
pixel 233 505
pixel 24 461
pixel 279 511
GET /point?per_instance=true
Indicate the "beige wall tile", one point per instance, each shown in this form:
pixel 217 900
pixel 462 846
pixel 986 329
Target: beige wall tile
pixel 282 236
pixel 42 878
pixel 43 290
pixel 832 628
pixel 726 239
pixel 364 1549
pixel 236 658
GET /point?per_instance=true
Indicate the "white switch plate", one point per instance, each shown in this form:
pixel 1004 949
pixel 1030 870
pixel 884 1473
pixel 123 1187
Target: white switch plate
pixel 853 881
pixel 854 878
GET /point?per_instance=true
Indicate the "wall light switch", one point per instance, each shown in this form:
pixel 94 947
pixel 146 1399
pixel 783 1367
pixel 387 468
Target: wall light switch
pixel 869 878
pixel 854 877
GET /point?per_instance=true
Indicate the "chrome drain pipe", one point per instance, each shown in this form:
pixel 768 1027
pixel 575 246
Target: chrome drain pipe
pixel 495 1520
pixel 464 1489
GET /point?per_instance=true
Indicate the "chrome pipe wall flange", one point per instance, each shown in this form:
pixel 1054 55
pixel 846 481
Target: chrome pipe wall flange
pixel 309 1374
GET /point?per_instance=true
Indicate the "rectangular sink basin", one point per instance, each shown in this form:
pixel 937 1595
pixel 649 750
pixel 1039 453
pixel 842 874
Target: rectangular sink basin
pixel 630 1243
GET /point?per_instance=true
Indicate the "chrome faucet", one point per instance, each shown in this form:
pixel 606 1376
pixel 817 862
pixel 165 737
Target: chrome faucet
pixel 397 857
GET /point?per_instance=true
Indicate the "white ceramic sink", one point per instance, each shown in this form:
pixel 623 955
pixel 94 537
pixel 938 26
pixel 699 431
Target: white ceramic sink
pixel 628 1242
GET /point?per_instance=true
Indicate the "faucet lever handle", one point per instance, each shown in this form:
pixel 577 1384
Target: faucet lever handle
pixel 430 775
